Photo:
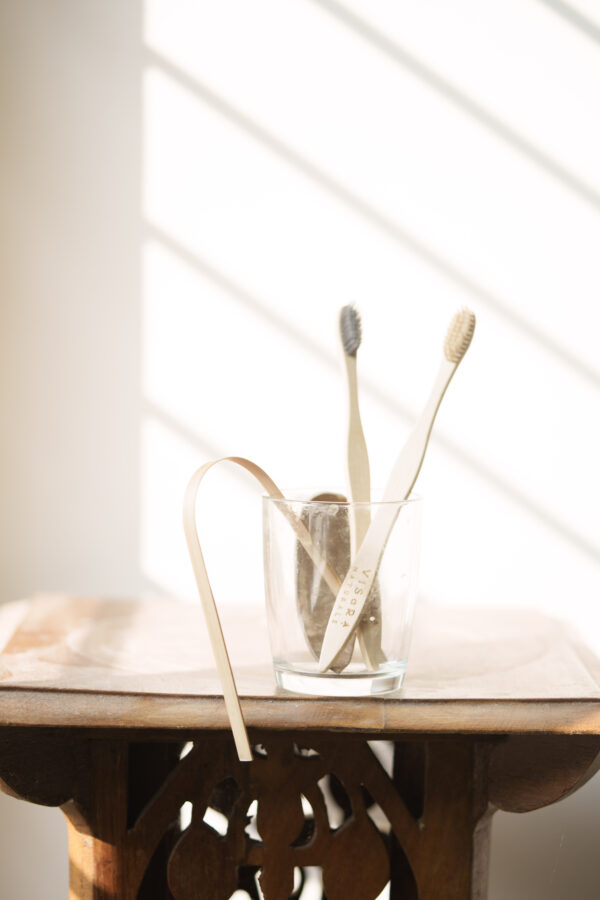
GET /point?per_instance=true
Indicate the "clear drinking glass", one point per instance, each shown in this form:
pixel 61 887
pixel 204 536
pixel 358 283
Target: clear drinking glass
pixel 299 599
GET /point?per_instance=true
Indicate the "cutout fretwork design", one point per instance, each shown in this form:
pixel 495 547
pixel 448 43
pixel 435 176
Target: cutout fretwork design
pixel 327 802
pixel 152 820
pixel 292 824
pixel 330 804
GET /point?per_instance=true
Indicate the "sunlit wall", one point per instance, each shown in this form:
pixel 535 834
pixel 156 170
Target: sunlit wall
pixel 412 159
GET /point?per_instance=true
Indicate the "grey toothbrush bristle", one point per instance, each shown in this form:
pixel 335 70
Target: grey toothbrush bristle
pixel 350 330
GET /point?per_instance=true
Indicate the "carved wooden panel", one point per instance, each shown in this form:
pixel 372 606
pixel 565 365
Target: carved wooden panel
pixel 324 802
pixel 150 820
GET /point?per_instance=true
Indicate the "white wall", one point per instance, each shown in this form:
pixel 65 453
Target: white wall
pixel 192 190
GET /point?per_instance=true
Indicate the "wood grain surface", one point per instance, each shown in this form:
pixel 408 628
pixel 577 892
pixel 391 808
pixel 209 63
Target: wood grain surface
pixel 77 661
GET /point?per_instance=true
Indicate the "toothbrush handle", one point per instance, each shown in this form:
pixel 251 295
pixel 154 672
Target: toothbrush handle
pixel 408 464
pixel 357 584
pixel 359 470
pixel 359 479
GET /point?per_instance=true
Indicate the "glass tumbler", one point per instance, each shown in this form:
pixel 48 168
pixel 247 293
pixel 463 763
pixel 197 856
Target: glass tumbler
pixel 300 598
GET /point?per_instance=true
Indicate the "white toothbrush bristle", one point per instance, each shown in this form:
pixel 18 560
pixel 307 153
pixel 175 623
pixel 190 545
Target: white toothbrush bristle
pixel 350 330
pixel 459 335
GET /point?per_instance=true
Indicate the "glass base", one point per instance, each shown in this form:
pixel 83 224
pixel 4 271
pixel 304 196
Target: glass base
pixel 327 684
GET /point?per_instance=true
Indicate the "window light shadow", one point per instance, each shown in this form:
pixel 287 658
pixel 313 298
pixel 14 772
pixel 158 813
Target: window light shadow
pixel 574 18
pixel 362 208
pixel 459 98
pixel 387 400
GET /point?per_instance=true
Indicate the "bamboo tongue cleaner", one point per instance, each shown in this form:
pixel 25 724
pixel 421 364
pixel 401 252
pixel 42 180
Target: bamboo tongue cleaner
pixel 215 632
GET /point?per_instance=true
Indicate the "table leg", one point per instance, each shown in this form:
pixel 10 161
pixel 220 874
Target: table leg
pixel 452 787
pixel 444 784
pixel 108 856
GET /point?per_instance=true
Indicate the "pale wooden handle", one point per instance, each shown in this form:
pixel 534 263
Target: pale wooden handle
pixel 356 586
pixel 215 632
pixel 358 582
pixel 359 479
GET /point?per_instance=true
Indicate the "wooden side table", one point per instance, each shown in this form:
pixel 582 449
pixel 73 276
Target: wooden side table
pixel 111 710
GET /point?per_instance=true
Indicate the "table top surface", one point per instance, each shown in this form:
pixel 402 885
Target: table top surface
pixel 146 663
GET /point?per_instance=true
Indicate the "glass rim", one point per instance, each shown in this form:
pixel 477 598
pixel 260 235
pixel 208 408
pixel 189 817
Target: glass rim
pixel 341 504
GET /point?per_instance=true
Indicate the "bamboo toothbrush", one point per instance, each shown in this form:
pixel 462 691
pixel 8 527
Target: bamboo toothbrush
pixel 359 475
pixel 358 582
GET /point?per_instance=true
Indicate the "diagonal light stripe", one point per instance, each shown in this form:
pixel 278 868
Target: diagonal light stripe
pixel 462 100
pixel 456 451
pixel 362 208
pixel 574 18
